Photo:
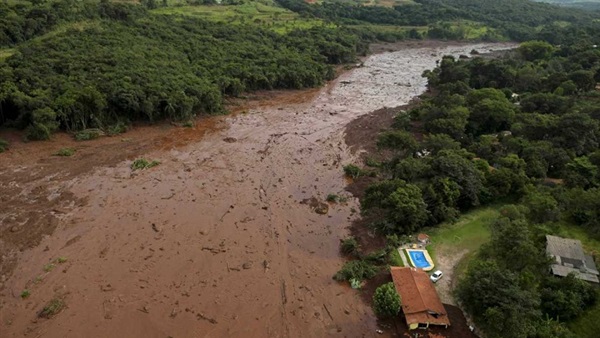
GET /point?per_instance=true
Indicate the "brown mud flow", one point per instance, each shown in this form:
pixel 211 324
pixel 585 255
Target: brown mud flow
pixel 215 241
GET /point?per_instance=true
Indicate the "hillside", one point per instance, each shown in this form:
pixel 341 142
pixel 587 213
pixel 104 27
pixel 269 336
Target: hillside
pixel 583 4
pixel 75 65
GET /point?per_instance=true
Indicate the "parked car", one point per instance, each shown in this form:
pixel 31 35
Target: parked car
pixel 436 276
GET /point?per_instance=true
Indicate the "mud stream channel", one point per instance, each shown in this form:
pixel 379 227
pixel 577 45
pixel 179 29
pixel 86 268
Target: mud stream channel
pixel 216 241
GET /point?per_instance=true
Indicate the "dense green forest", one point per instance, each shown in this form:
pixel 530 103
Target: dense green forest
pixel 73 65
pixel 513 19
pixel 126 64
pixel 583 4
pixel 524 130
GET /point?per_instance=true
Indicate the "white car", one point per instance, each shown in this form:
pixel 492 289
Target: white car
pixel 436 276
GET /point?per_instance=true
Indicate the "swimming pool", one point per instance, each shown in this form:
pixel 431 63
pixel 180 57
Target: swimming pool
pixel 420 259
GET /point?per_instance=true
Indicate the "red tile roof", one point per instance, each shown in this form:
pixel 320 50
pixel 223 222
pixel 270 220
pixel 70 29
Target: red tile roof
pixel 420 301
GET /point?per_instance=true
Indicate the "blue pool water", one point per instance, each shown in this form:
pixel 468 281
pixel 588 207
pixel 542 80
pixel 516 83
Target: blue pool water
pixel 419 259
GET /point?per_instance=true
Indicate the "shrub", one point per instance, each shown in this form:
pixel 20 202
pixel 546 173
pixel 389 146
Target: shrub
pixel 118 128
pixel 332 198
pixel 43 124
pixel 3 145
pixel 359 270
pixel 65 152
pixel 88 134
pixel 38 132
pixel 349 246
pixel 377 257
pixel 26 293
pixel 142 163
pixel 353 171
pixel 52 308
pixel 386 301
pixel 369 162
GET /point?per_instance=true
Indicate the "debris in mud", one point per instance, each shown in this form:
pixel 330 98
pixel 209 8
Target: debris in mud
pixel 230 139
pixel 155 227
pixel 168 197
pixel 247 265
pixel 106 287
pixel 319 207
pixel 52 308
pixel 72 241
pixel 213 250
pixel 208 319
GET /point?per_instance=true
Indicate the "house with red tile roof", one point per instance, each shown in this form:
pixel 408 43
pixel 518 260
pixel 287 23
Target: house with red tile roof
pixel 421 304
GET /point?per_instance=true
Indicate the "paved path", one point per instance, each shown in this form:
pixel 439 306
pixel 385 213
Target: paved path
pixel 404 261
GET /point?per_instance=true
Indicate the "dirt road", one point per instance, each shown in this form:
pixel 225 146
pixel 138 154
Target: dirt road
pixel 213 242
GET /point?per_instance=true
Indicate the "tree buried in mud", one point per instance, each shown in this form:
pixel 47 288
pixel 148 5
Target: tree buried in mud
pixel 386 301
pixel 356 270
pixel 142 163
pixel 52 308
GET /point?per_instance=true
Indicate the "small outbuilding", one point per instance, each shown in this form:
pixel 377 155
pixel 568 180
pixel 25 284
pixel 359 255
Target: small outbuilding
pixel 421 304
pixel 423 239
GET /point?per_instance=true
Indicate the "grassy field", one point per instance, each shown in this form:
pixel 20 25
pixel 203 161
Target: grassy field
pixel 270 17
pixel 468 233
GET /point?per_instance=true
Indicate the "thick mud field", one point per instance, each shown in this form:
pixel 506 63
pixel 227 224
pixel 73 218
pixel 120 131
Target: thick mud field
pixel 229 236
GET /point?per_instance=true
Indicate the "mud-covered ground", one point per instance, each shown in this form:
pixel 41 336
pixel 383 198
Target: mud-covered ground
pixel 216 240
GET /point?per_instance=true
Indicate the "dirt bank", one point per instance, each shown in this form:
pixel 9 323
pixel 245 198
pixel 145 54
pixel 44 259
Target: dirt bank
pixel 213 242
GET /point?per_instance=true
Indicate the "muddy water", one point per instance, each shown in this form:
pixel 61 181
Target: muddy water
pixel 216 241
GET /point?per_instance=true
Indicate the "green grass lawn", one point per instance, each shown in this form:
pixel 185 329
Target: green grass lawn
pixel 395 259
pixel 270 17
pixel 468 233
pixel 473 30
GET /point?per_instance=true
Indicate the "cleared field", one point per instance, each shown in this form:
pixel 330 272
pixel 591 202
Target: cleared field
pixel 469 233
pixel 273 18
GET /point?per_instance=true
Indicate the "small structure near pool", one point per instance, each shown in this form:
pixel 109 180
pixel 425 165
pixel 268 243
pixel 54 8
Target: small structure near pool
pixel 421 304
pixel 420 258
pixel 423 239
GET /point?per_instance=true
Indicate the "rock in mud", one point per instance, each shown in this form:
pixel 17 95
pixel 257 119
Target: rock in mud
pixel 318 206
pixel 230 139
